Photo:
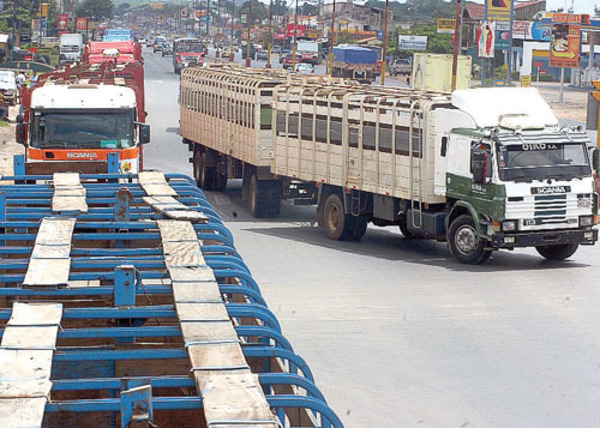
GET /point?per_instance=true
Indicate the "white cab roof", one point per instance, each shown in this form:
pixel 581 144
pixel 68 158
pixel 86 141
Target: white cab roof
pixel 486 105
pixel 82 96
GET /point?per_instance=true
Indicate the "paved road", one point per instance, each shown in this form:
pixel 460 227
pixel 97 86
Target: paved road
pixel 396 332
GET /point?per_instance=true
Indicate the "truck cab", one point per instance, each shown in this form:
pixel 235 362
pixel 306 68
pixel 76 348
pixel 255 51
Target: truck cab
pixel 513 177
pixel 82 123
pixel 71 48
pixel 187 52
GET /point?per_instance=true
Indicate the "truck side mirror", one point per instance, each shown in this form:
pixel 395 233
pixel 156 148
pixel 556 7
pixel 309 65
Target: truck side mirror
pixel 20 133
pixel 144 133
pixel 596 161
pixel 479 162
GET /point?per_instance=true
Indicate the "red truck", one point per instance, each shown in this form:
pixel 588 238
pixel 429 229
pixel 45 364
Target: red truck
pixel 120 51
pixel 81 113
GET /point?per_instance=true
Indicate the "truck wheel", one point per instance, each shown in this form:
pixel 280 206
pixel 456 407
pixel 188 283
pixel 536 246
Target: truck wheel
pixel 265 197
pixel 557 252
pixel 338 225
pixel 464 241
pixel 206 175
pixel 360 227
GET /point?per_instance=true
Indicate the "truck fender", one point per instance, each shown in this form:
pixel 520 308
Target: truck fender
pixel 463 207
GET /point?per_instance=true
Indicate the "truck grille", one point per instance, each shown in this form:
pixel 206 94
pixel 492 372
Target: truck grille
pixel 550 208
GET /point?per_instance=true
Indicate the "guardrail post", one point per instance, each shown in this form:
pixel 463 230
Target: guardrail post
pixel 136 403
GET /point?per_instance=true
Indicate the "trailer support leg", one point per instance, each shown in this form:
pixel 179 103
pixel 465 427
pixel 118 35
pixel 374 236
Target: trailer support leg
pixel 19 167
pixel 124 294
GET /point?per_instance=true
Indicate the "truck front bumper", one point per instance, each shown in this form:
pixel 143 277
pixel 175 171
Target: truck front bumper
pixel 554 237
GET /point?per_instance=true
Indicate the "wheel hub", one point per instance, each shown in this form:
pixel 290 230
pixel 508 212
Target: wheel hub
pixel 467 240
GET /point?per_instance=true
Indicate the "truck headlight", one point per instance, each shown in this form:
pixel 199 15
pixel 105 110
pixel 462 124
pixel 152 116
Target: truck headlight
pixel 586 220
pixel 509 225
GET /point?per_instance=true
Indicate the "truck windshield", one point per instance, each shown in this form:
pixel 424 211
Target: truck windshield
pixel 188 47
pixel 82 130
pixel 540 161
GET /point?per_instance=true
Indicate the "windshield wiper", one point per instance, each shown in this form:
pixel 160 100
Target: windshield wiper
pixel 566 177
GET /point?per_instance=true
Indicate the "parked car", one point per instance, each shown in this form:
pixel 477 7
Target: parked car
pixel 142 41
pixel 167 49
pixel 276 49
pixel 262 55
pixel 158 44
pixel 305 68
pixel 226 52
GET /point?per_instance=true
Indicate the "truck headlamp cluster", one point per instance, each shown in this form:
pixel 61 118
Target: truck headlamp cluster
pixel 584 203
pixel 586 220
pixel 509 226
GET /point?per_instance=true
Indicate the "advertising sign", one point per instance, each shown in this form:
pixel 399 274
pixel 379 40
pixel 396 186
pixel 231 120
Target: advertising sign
pixel 81 24
pixel 156 6
pixel 498 10
pixel 300 30
pixel 564 41
pixel 486 40
pixel 446 26
pixel 502 40
pixel 412 43
pixel 61 21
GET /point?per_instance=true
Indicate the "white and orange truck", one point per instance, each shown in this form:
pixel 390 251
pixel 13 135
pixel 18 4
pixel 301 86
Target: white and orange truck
pixel 74 117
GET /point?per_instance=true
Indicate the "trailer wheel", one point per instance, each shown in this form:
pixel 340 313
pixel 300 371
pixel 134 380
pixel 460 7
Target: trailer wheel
pixel 205 176
pixel 557 252
pixel 265 197
pixel 407 233
pixel 465 243
pixel 338 225
pixel 220 181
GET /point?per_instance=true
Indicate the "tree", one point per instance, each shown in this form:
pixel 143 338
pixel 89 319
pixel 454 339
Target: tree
pixel 97 9
pixel 122 8
pixel 259 10
pixel 279 7
pixel 308 9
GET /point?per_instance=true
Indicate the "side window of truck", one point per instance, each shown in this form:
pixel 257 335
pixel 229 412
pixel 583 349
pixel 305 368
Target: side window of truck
pixel 477 146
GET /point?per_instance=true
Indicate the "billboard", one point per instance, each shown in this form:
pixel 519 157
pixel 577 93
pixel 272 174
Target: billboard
pixel 412 43
pixel 62 20
pixel 486 36
pixel 81 24
pixel 445 26
pixel 564 40
pixel 498 10
pixel 300 30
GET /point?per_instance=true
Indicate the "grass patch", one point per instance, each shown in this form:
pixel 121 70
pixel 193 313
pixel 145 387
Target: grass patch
pixel 4 124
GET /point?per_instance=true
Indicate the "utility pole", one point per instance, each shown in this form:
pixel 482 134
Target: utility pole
pixel 295 36
pixel 384 50
pixel 207 26
pixel 457 38
pixel 332 39
pixel 232 53
pixel 14 24
pixel 248 21
pixel 270 41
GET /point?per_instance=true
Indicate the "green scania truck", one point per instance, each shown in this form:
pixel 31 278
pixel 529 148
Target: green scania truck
pixel 483 169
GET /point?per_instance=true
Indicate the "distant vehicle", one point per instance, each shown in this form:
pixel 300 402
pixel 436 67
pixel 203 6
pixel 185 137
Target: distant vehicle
pixel 276 49
pixel 157 44
pixel 305 68
pixel 142 41
pixel 227 52
pixel 148 43
pixel 167 49
pixel 309 51
pixel 287 61
pixel 187 52
pixel 245 52
pixel 262 55
pixel 400 66
pixel 8 86
pixel 71 48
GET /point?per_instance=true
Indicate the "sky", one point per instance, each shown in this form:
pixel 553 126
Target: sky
pixel 579 6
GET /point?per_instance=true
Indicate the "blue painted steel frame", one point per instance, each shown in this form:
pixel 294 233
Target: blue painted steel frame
pixel 123 269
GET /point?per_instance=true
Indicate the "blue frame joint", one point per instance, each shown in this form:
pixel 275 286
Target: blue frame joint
pixel 124 293
pixel 136 403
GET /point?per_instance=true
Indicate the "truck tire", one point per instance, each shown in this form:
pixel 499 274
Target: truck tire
pixel 205 176
pixel 557 252
pixel 360 227
pixel 338 225
pixel 265 197
pixel 464 241
pixel 407 233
